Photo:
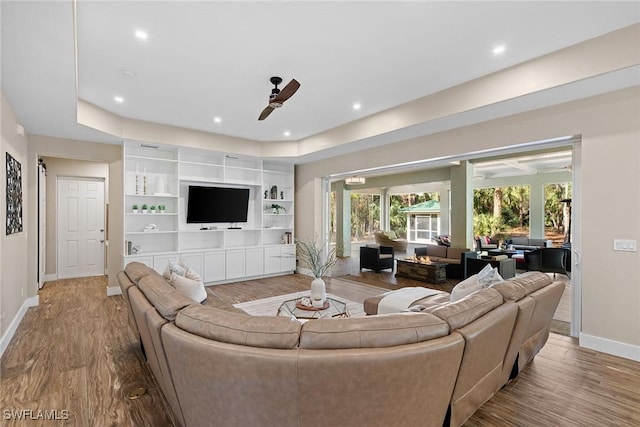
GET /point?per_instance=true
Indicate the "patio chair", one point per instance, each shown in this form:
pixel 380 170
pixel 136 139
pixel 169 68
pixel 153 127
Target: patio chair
pixel 376 257
pixel 547 260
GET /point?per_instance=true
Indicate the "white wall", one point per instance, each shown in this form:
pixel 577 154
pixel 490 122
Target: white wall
pixel 13 248
pixel 610 131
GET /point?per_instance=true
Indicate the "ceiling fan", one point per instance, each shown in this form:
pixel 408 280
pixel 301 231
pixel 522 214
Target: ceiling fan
pixel 278 96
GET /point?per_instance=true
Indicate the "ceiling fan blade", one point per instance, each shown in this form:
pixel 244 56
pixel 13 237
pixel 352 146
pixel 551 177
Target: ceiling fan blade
pixel 265 113
pixel 288 91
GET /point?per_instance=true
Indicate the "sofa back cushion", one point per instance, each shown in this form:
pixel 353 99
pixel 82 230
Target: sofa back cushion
pixel 165 298
pixel 456 252
pixel 464 311
pixel 437 251
pixel 137 270
pixel 234 328
pixel 519 240
pixel 510 290
pixel 532 281
pixel 537 242
pixel 386 330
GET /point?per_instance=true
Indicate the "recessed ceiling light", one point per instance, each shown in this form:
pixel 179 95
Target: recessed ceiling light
pixel 118 99
pixel 142 35
pixel 287 133
pixel 357 106
pixel 217 119
pixel 499 49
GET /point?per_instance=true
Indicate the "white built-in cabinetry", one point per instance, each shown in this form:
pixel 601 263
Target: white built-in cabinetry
pixel 158 175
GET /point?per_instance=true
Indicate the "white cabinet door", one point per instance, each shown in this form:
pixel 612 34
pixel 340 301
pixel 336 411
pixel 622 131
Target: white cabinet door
pixel 272 260
pixel 254 262
pixel 194 261
pixel 214 266
pixel 288 258
pixel 235 263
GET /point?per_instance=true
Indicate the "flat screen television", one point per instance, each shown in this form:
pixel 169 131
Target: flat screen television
pixel 217 204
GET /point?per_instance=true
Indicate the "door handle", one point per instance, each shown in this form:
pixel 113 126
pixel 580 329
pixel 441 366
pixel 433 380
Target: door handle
pixel 101 241
pixel 102 230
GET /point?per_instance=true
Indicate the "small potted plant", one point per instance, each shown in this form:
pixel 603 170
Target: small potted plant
pixel 153 209
pixel 313 258
pixel 144 208
pixel 277 208
pixel 134 208
pixel 161 208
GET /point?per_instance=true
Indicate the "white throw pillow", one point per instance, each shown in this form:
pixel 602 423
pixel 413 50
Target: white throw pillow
pixel 488 276
pixel 190 285
pixel 178 267
pixel 466 287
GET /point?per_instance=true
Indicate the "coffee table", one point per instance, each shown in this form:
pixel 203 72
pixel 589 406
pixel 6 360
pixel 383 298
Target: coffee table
pixel 434 272
pixel 293 308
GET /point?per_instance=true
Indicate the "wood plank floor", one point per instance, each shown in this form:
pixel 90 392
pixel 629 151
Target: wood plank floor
pixel 75 352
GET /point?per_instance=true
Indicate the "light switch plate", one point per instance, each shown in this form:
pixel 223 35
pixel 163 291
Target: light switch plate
pixel 625 245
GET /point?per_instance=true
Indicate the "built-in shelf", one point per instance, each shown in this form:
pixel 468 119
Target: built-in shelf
pixel 221 253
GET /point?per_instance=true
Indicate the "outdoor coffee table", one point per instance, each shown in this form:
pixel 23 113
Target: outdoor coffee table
pixel 495 252
pixel 433 272
pixel 293 308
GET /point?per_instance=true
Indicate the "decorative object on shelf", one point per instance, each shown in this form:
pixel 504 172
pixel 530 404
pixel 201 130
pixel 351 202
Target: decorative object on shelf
pixel 277 208
pixel 282 195
pixel 153 209
pixel 150 227
pixel 134 208
pixel 161 185
pixel 313 258
pixel 136 249
pixel 266 194
pixel 274 192
pixel 144 180
pixel 137 180
pixel 161 208
pixel 144 208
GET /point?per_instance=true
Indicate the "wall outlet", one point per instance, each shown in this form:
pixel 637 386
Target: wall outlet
pixel 625 245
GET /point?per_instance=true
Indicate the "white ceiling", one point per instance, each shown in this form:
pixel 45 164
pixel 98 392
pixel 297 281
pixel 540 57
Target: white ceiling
pixel 205 59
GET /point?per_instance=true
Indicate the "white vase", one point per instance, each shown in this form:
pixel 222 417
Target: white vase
pixel 318 293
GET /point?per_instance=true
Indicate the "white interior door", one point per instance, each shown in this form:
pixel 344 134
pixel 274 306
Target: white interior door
pixel 42 224
pixel 80 227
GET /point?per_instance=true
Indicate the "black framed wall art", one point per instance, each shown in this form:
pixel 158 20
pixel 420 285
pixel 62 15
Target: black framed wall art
pixel 14 195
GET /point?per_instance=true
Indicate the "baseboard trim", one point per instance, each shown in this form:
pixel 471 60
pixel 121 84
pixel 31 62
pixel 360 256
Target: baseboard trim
pixel 50 277
pixel 113 290
pixel 615 348
pixel 13 327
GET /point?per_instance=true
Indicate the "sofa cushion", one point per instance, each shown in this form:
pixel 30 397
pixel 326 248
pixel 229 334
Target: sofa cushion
pixel 519 240
pixel 456 253
pixel 462 312
pixel 537 242
pixel 449 260
pixel 137 270
pixel 385 330
pixel 164 297
pixel 510 290
pixel 390 234
pixel 532 281
pixel 437 251
pixel 234 328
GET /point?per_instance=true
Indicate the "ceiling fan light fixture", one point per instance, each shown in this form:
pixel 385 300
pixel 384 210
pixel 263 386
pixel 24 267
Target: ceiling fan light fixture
pixel 355 180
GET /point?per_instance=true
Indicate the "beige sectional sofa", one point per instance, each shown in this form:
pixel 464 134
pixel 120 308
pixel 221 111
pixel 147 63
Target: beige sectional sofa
pixel 216 364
